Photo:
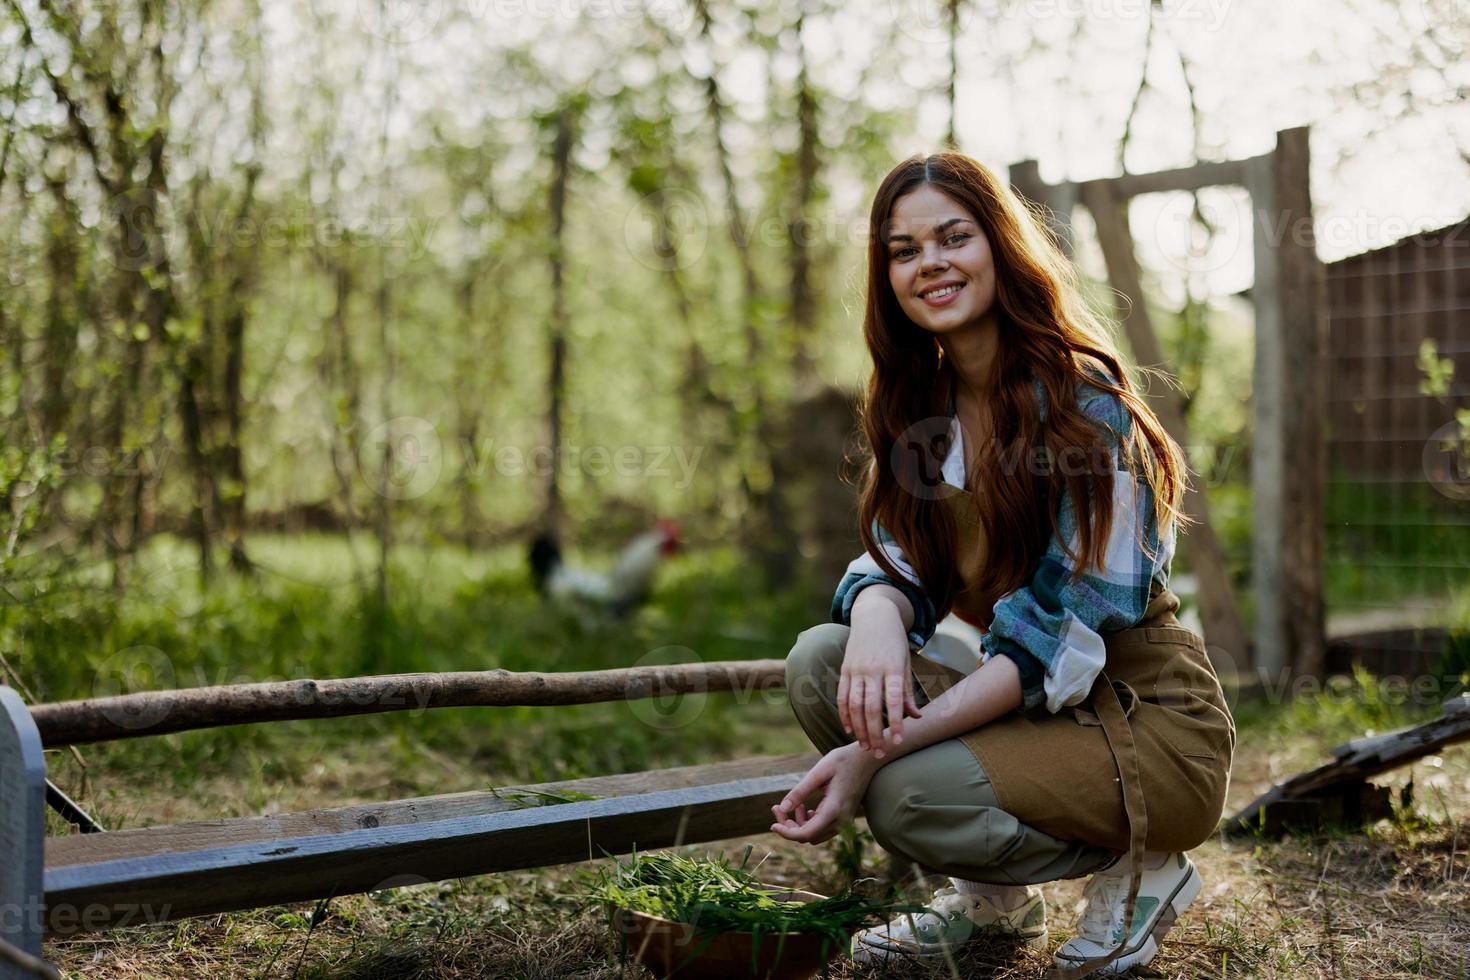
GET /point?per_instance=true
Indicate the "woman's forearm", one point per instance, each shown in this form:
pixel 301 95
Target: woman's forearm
pixel 877 600
pixel 994 689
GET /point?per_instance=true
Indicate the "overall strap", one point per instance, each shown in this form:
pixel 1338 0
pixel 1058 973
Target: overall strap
pixel 1119 734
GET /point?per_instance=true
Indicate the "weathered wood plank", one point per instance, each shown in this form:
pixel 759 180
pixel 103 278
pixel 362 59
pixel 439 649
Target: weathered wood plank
pixel 162 712
pixel 165 886
pixel 1345 777
pixel 200 835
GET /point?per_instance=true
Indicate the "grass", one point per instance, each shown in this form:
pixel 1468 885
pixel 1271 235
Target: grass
pixel 303 616
pixel 1392 900
pixel 716 896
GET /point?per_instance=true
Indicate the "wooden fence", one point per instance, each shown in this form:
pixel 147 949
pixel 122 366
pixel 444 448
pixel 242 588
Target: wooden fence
pixel 1398 364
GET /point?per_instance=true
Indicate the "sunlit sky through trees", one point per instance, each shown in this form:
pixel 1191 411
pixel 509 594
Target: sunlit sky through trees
pixel 309 218
pixel 1052 80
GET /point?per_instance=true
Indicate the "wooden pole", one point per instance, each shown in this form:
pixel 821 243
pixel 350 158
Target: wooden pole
pixel 1288 452
pixel 161 712
pixel 1223 629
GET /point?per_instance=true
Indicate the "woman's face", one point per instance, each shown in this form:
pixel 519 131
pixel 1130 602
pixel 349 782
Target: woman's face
pixel 939 262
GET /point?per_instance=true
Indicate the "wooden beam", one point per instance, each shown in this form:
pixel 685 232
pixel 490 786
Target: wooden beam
pixel 1210 173
pixel 199 835
pixel 161 712
pixel 1288 449
pixel 1224 633
pixel 101 881
pixel 1345 777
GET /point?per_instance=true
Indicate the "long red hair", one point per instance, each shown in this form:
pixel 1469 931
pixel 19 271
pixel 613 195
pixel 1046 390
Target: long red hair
pixel 1047 332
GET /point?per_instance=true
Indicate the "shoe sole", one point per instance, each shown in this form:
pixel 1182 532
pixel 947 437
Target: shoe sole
pixel 1184 895
pixel 878 954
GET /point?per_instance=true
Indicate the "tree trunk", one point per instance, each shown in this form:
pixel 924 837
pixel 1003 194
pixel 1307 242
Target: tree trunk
pixel 561 161
pixel 232 462
pixel 1223 630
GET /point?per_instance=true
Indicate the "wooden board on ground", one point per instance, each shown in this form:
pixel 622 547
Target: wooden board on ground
pixel 1339 791
pixel 161 873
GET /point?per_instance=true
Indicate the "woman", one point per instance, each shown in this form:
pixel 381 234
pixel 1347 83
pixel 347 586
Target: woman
pixel 1089 734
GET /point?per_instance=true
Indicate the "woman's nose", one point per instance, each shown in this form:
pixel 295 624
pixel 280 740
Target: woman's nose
pixel 932 260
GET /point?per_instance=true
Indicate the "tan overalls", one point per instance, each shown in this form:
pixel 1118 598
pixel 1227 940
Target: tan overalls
pixel 1142 763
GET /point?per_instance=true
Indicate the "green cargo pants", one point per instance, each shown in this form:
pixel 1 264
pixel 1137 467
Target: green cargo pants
pixel 934 807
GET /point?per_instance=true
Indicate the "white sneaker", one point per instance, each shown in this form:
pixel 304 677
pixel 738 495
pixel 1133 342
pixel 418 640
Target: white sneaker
pixel 1164 893
pixel 952 919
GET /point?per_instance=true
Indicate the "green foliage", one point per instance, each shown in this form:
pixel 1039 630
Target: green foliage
pixel 1342 708
pixel 1456 660
pixel 1438 371
pixel 847 850
pixel 26 478
pixel 310 613
pixel 717 897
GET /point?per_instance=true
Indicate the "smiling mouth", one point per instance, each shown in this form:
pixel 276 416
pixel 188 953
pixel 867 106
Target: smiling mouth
pixel 938 297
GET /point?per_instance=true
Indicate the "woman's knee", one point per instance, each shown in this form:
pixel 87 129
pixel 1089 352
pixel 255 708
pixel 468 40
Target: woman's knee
pixel 910 816
pixel 815 658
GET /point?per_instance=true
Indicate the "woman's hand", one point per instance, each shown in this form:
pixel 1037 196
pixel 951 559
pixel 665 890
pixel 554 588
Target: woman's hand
pixel 875 675
pixel 842 777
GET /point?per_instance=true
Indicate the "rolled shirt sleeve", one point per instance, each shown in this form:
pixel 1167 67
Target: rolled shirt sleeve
pixel 1056 622
pixel 864 571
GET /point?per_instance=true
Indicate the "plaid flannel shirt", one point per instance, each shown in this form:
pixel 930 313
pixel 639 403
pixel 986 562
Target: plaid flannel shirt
pixel 1051 627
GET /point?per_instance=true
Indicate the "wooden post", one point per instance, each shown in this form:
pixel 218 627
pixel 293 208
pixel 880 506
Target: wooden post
pixel 1223 630
pixel 1288 454
pixel 22 841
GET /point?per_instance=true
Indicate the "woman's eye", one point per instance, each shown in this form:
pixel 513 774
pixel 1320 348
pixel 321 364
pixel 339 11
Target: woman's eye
pixel 903 253
pixel 956 237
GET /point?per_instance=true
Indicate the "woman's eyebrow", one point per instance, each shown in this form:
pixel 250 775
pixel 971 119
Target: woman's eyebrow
pixel 938 230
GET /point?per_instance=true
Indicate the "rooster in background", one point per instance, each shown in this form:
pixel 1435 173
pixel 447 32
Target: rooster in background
pixel 617 592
